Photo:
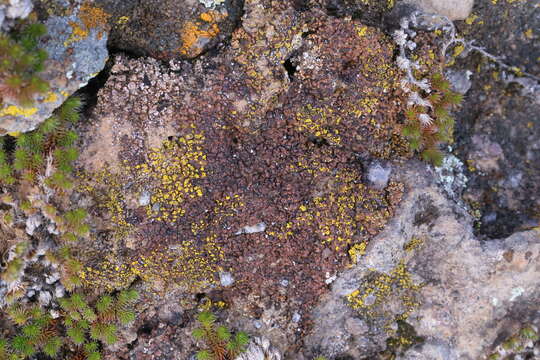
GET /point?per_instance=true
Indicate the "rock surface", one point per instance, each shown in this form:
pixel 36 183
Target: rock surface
pixel 170 29
pixel 77 49
pixel 452 9
pixel 467 295
pixel 499 129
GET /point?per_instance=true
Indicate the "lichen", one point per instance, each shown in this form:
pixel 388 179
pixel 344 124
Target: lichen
pixel 378 288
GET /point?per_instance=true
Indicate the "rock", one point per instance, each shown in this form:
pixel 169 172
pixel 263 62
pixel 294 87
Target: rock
pixel 226 279
pixel 44 298
pixel 379 175
pixel 52 278
pixel 431 350
pixel 453 9
pixel 32 223
pixel 144 199
pixel 251 229
pixel 464 294
pixel 459 80
pixel 259 348
pixel 498 134
pixel 485 154
pixel 169 29
pixel 356 327
pixel 77 48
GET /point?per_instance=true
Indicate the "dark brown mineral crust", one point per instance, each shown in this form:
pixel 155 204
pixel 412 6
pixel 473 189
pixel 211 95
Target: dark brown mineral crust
pixel 250 163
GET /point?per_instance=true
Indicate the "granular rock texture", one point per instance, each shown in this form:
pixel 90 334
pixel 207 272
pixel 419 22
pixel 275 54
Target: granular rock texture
pixel 183 158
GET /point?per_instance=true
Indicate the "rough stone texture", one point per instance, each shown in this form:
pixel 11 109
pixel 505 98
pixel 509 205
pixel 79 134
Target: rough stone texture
pixel 170 29
pixel 289 117
pixel 474 294
pixel 499 132
pixel 453 9
pixel 77 49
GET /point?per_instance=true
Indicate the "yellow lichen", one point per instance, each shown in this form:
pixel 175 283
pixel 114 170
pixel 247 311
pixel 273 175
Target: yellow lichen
pixel 378 288
pixel 413 244
pixel 51 97
pixel 319 122
pixel 172 171
pixel 122 20
pixel 93 17
pixel 90 17
pixel 13 110
pixel 356 251
pixel 183 264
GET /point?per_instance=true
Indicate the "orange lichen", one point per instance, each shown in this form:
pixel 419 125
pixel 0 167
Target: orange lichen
pixel 90 17
pixel 93 17
pixel 194 31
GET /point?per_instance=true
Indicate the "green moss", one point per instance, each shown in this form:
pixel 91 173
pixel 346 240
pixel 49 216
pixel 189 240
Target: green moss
pixel 80 324
pixel 429 126
pixel 21 61
pixel 220 343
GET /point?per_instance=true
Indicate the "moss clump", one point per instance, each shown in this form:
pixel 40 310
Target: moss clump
pixel 47 152
pixel 20 64
pixel 429 122
pixel 35 170
pixel 220 343
pixel 80 326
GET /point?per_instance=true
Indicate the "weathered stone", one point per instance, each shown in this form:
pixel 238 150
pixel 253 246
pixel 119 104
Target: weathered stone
pixel 466 293
pixel 77 48
pixel 170 29
pixel 453 9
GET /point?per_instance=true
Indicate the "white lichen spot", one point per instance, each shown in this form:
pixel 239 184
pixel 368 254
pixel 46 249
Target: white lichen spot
pixel 450 175
pixel 250 229
pixel 210 4
pixel 516 292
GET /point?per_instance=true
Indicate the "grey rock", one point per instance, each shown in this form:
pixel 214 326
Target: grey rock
pixel 44 298
pixel 13 9
pixel 378 175
pixel 226 279
pixel 430 350
pixel 259 348
pixel 251 229
pixel 472 291
pixel 356 327
pixel 52 278
pixel 59 291
pixel 73 61
pixel 453 9
pixel 144 199
pixel 32 223
pixel 460 80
